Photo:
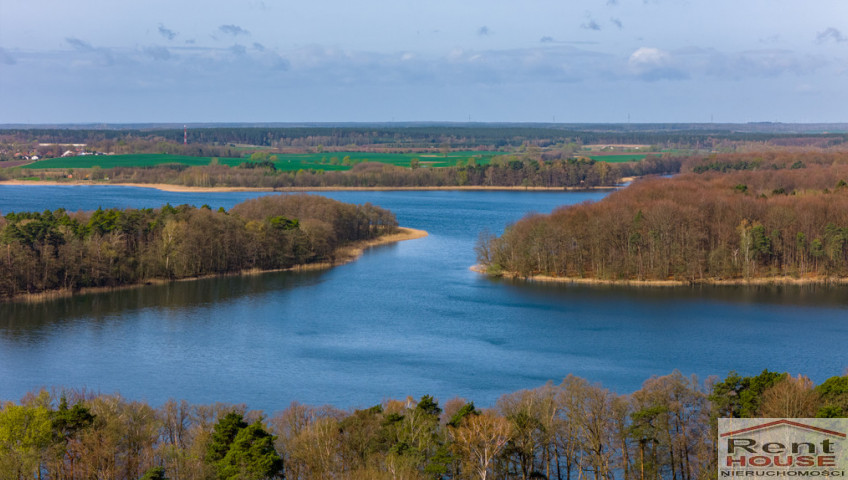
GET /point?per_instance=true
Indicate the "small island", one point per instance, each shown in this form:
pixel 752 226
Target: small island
pixel 57 253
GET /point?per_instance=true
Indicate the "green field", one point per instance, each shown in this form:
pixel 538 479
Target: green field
pixel 287 162
pixel 628 157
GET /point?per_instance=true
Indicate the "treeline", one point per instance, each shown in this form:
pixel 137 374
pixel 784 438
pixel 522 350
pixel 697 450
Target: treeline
pixel 763 160
pixel 500 173
pixel 569 431
pixel 505 171
pixel 120 147
pixel 52 250
pixel 489 136
pixel 790 222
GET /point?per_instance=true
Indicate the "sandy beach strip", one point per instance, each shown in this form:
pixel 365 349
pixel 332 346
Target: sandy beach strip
pixel 352 252
pixel 182 188
pixel 756 281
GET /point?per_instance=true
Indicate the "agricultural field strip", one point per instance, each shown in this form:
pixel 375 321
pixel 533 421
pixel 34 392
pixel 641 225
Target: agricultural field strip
pixel 314 161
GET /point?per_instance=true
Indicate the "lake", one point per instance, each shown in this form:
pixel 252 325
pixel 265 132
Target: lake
pixel 405 319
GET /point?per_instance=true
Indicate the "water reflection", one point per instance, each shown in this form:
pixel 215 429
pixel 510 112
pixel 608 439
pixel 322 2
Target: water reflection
pixel 812 295
pixel 20 320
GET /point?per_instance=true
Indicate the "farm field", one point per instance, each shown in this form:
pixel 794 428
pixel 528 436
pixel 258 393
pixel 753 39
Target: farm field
pixel 328 159
pixel 314 161
pixel 619 158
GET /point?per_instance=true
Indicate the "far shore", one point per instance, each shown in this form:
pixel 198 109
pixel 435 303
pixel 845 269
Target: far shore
pixel 754 281
pixel 183 188
pixel 344 255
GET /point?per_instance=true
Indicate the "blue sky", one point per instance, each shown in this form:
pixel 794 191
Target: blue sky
pixel 330 60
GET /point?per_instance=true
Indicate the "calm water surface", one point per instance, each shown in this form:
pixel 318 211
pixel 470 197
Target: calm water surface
pixel 405 319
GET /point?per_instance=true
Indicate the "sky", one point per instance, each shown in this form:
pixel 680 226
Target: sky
pixel 607 61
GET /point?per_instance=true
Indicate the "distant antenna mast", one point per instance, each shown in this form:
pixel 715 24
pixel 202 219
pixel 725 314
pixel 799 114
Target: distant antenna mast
pixel 185 135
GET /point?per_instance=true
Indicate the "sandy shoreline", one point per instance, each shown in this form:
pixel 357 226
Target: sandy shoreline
pixel 759 281
pixel 182 188
pixel 344 255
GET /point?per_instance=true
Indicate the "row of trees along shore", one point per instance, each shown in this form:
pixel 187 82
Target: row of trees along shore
pixel 40 252
pixel 546 170
pixel 732 217
pixel 571 431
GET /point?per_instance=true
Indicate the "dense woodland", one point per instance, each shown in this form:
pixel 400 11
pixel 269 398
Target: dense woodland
pixel 209 140
pixel 541 155
pixel 106 248
pixel 570 431
pixel 501 173
pixel 741 217
pixel 548 170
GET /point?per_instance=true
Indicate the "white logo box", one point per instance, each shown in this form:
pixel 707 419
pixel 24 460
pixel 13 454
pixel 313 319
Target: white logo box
pixel 769 448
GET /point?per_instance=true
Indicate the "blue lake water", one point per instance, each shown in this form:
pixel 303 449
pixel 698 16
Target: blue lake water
pixel 405 319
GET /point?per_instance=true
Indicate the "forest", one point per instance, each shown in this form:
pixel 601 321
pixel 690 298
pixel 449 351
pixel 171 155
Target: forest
pixel 567 431
pixel 530 170
pixel 535 155
pixel 735 217
pixel 503 173
pixel 60 250
pixel 420 136
pixel 211 140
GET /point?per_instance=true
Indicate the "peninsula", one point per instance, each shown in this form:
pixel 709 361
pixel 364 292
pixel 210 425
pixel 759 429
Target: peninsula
pixel 730 219
pixel 59 253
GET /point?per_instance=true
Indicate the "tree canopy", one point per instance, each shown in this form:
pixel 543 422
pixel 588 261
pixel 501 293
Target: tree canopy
pixel 52 250
pixel 570 430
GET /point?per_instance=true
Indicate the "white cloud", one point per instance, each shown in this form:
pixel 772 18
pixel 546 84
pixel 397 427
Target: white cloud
pixel 652 64
pixel 551 62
